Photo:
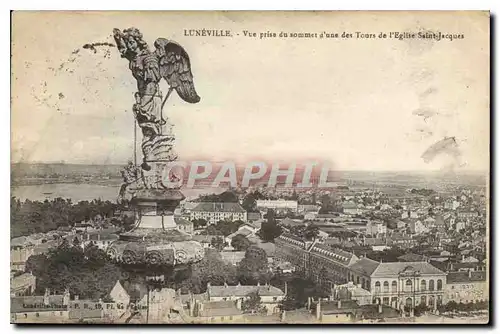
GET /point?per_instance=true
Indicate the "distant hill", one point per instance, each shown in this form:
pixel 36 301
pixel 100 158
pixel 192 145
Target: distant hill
pixel 42 170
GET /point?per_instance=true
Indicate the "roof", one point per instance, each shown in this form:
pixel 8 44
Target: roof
pixel 410 257
pixel 219 207
pixel 22 281
pixel 365 266
pixel 338 255
pixel 463 277
pixel 244 231
pixel 204 238
pixel 19 241
pixel 394 268
pixel 291 222
pixel 268 247
pixel 243 290
pixel 332 306
pixel 182 221
pixel 219 308
pixel 302 316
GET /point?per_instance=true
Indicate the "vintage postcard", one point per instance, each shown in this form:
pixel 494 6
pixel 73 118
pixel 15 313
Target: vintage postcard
pixel 250 167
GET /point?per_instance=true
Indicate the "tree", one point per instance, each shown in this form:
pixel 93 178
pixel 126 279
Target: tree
pixel 211 269
pixel 250 203
pixel 240 243
pixel 254 266
pixel 420 309
pixel 218 243
pixel 199 223
pixel 253 304
pixel 311 232
pixel 270 230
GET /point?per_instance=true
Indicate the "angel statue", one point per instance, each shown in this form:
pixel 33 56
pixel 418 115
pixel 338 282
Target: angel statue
pixel 169 61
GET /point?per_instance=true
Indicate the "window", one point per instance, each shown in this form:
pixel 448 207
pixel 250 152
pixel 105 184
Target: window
pixel 394 286
pixel 275 298
pixel 408 285
pixel 377 286
pixel 85 306
pixel 439 285
pixel 385 300
pixel 423 285
pixel 357 280
pixel 37 314
pixel 386 289
pixel 431 285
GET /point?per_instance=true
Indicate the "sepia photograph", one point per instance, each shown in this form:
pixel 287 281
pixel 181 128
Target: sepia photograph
pixel 246 167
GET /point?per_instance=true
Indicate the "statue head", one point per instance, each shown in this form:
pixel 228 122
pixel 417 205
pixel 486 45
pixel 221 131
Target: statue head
pixel 132 38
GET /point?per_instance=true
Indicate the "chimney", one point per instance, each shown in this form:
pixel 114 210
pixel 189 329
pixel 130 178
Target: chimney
pixel 238 303
pixel 339 303
pixel 470 273
pixel 286 288
pixel 318 309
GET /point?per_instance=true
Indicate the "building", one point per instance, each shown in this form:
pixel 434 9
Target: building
pixel 351 291
pixel 98 238
pixel 22 285
pixel 279 205
pixel 184 225
pixel 350 208
pixel 323 264
pixel 213 212
pixel 398 284
pixel 217 311
pixel 466 287
pixel 40 309
pixel 376 228
pixel 270 296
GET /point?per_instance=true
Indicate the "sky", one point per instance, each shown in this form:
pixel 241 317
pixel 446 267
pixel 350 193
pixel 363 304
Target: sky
pixel 359 103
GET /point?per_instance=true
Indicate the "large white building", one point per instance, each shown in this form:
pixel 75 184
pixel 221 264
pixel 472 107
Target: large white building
pixel 213 212
pixel 278 205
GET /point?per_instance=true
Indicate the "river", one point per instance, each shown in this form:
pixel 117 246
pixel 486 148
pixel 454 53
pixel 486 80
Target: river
pixel 86 192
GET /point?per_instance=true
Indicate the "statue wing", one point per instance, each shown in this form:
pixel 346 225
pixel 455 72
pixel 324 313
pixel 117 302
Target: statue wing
pixel 175 67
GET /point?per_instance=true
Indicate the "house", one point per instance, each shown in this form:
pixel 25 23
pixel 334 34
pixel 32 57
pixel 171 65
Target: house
pixel 270 296
pixel 205 240
pixel 228 311
pixel 279 205
pixel 376 228
pixel 22 285
pixel 342 311
pixel 214 212
pixel 243 230
pixel 466 287
pixel 38 309
pixel 184 225
pixel 351 291
pixel 350 208
pixel 416 227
